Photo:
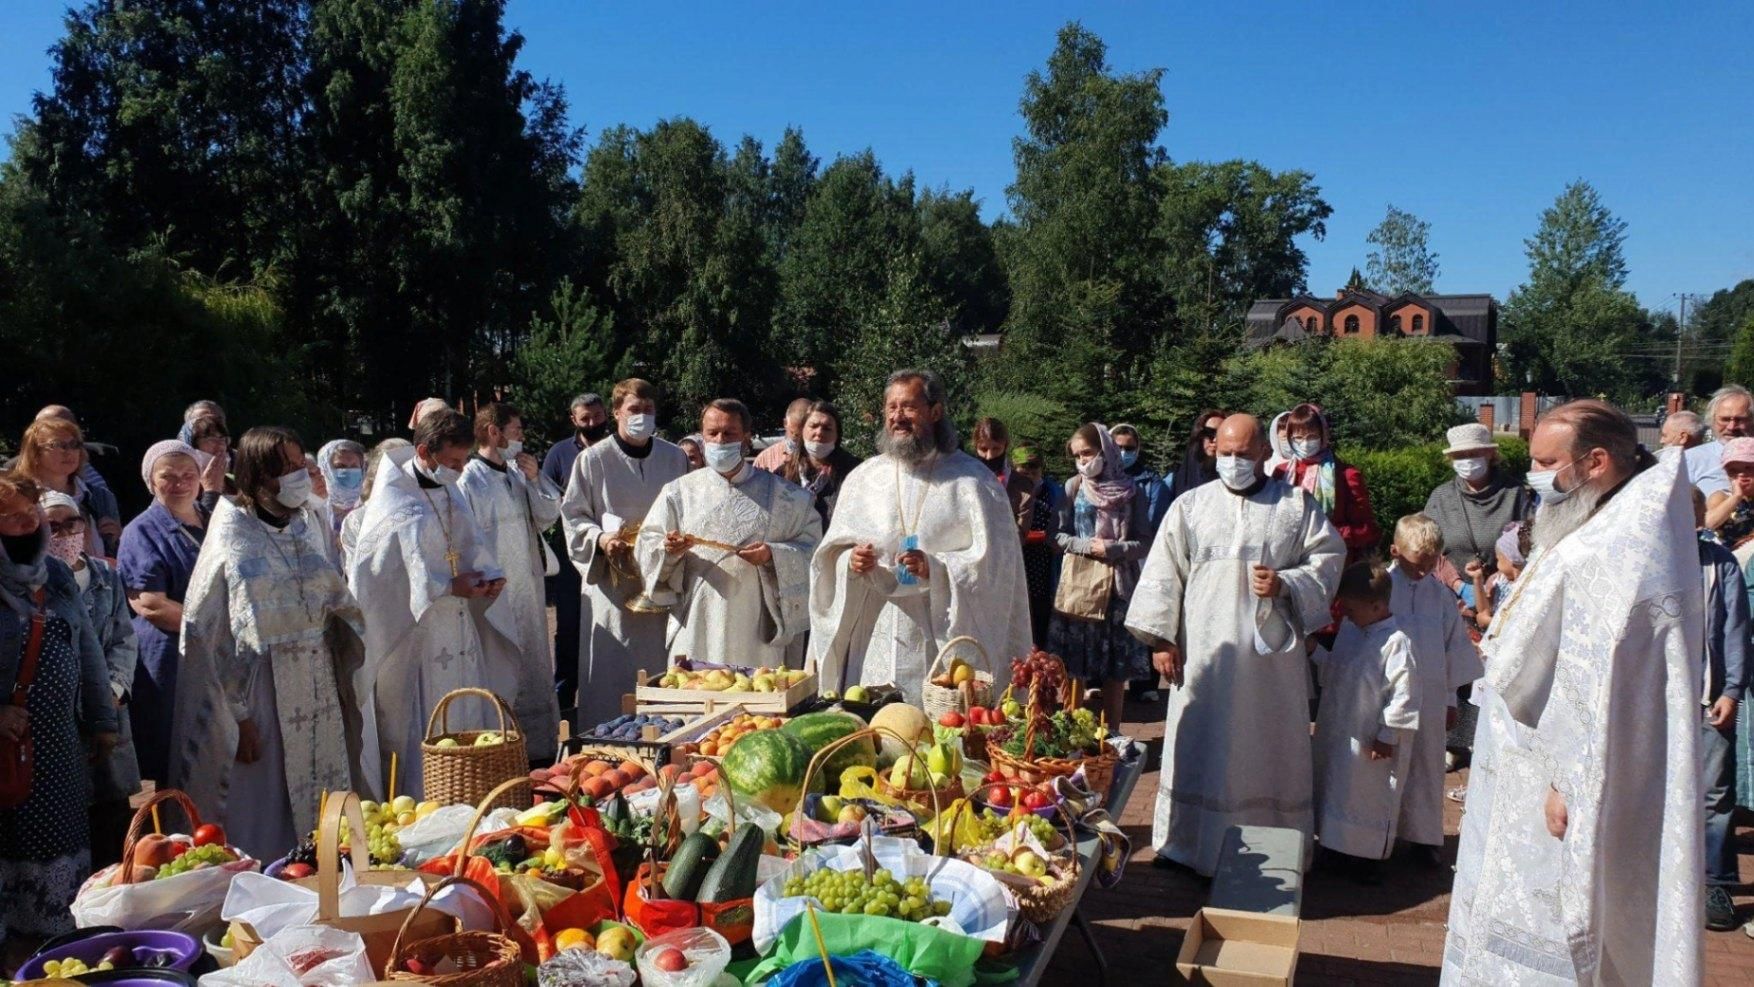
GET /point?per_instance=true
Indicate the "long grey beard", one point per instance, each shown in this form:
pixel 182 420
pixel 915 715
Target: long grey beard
pixel 1554 521
pixel 911 449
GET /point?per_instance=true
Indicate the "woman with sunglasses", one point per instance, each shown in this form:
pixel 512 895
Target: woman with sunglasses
pixel 52 453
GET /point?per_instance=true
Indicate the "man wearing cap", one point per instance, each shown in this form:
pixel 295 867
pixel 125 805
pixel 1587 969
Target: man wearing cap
pixel 1473 508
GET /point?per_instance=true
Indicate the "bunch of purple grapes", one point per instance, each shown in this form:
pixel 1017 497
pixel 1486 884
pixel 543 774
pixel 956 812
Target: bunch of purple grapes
pixel 1042 672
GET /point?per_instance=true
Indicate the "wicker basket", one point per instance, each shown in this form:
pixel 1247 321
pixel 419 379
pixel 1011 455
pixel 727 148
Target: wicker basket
pixel 483 959
pixel 921 799
pixel 1099 769
pixel 1040 903
pixel 937 700
pixel 464 774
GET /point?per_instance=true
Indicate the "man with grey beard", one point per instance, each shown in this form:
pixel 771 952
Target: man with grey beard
pixel 922 549
pixel 1581 848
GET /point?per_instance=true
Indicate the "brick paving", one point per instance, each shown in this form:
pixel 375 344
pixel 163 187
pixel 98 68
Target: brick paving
pixel 1352 935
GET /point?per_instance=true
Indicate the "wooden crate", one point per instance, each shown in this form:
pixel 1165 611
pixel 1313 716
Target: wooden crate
pixel 651 698
pixel 653 746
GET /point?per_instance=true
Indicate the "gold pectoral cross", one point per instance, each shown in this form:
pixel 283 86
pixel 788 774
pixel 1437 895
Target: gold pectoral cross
pixel 451 556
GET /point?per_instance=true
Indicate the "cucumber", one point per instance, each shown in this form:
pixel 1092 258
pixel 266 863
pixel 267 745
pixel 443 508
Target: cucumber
pixel 732 876
pixel 689 866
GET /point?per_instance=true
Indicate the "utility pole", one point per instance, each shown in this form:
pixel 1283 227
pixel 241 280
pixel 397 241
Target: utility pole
pixel 1681 330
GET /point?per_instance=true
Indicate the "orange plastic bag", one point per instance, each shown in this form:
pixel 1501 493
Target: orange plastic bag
pixel 735 920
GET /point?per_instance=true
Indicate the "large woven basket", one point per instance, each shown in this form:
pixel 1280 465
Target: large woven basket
pixel 937 700
pixel 482 959
pixel 1040 903
pixel 465 774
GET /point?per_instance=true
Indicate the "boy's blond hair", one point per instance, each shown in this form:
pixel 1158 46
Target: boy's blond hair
pixel 1417 535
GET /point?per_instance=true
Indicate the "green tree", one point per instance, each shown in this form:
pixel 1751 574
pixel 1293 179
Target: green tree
pixel 791 177
pixel 962 259
pixel 1740 366
pixel 568 350
pixel 908 326
pixel 1402 261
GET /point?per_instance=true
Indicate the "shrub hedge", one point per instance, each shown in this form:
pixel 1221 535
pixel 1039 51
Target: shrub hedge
pixel 1401 480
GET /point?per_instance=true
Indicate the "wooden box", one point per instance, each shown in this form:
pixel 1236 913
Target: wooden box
pixel 1239 949
pixel 651 698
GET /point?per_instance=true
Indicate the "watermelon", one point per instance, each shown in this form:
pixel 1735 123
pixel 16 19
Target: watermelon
pixel 818 730
pixel 767 766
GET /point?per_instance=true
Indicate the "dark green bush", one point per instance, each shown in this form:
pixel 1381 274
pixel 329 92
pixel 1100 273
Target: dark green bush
pixel 1400 480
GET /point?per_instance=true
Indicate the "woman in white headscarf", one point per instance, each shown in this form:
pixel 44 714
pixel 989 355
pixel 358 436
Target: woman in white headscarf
pixel 350 525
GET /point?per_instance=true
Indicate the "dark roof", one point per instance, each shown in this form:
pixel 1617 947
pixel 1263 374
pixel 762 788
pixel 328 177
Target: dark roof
pixel 1467 320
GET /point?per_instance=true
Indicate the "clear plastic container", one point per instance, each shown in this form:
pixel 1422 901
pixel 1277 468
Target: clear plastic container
pixel 705 952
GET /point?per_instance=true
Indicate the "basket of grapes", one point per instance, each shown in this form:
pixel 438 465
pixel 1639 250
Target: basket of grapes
pixel 1051 740
pixel 1037 863
pixel 175 882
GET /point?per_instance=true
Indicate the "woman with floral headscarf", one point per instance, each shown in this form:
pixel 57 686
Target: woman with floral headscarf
pixel 1338 487
pixel 1104 517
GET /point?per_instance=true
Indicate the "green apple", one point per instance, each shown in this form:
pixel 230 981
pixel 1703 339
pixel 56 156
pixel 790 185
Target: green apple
pixel 857 694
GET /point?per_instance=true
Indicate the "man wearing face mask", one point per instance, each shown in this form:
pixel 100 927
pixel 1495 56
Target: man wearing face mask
pixel 1241 573
pixel 727 549
pixel 1581 847
pixel 513 502
pixel 427 575
pixel 613 486
pixel 775 457
pixel 590 421
pixel 992 446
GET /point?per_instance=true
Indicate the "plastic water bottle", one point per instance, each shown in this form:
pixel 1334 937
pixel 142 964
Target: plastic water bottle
pixel 903 575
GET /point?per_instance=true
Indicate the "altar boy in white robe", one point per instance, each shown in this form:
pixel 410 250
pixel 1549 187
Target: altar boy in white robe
pixel 1444 660
pixel 923 548
pixel 727 548
pixel 1365 724
pixel 1240 573
pixel 613 485
pixel 425 577
pixel 514 503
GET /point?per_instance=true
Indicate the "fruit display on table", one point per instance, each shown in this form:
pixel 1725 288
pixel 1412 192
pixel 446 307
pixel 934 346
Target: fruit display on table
pixel 907 722
pixel 383 820
pixel 849 892
pixel 719 740
pixel 197 858
pixel 631 726
pixel 730 678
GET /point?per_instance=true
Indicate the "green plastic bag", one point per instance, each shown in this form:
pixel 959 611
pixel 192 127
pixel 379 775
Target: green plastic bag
pixel 922 950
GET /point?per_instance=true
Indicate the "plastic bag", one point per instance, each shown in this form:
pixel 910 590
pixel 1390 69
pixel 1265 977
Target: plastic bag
pixel 272 906
pixel 189 902
pixel 585 968
pixel 921 950
pixel 439 833
pixel 748 811
pixel 301 956
pixel 863 967
pixel 688 809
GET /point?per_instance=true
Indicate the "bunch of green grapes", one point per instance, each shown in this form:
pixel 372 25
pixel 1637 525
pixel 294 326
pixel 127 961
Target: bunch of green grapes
pixel 212 854
pixel 992 826
pixel 850 893
pixel 385 848
pixel 1082 730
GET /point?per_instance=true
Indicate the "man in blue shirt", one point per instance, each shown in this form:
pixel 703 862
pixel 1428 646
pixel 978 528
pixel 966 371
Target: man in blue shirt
pixel 590 421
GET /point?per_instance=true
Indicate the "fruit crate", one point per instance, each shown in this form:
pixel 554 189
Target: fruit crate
pixel 650 697
pixel 653 745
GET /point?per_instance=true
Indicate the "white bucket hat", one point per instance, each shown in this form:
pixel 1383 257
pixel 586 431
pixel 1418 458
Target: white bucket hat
pixel 1472 437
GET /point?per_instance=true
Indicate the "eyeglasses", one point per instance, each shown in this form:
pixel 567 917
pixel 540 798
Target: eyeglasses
pixel 71 526
pixel 1208 433
pixel 64 445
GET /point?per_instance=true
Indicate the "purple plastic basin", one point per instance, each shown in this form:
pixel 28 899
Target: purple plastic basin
pixel 184 950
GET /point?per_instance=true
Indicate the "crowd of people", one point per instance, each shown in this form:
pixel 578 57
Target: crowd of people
pixel 278 623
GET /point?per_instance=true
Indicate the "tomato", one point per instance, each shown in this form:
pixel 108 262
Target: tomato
pixel 209 834
pixel 178 848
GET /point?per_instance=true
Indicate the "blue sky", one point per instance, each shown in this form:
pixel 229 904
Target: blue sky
pixel 1471 115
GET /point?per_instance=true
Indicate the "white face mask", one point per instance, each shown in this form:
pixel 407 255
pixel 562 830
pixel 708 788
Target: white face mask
pixel 512 448
pixel 1306 447
pixel 1237 472
pixel 819 450
pixel 1543 483
pixel 295 489
pixel 1090 468
pixel 440 474
pixel 641 426
pixel 1471 470
pixel 723 456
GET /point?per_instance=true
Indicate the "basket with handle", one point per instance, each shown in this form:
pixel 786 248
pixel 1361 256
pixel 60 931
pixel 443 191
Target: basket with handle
pixel 465 773
pixel 378 930
pixel 1040 902
pixel 1099 769
pixel 937 700
pixel 481 959
pixel 921 797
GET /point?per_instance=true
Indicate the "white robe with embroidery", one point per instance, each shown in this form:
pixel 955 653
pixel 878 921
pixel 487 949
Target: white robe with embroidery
pixel 1592 690
pixel 870 629
pixel 722 608
pixel 1367 695
pixel 610 489
pixel 422 642
pixel 1444 660
pixel 512 511
pixel 270 635
pixel 1236 740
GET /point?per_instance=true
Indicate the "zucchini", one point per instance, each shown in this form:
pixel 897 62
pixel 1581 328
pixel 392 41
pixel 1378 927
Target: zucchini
pixel 732 876
pixel 689 866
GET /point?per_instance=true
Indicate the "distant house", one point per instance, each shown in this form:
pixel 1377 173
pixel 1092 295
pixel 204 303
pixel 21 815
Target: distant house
pixel 1468 322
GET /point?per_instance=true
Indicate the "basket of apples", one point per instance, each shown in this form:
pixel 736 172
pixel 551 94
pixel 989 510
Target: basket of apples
pixel 178 880
pixel 1035 861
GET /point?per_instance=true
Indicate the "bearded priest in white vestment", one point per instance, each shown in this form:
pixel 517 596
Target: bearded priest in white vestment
pixel 728 548
pixel 613 485
pixel 513 504
pixel 425 577
pixel 1581 848
pixel 922 548
pixel 1240 574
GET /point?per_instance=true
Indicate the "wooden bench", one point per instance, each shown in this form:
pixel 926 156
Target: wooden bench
pixel 1260 869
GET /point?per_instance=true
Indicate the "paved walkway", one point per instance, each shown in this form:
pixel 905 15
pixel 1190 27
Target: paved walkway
pixel 1352 935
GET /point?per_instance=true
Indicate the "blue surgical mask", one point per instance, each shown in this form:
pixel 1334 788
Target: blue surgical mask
pixel 349 477
pixel 723 456
pixel 1128 458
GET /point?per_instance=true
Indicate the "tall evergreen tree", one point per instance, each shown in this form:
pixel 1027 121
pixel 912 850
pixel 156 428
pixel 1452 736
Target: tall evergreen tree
pixel 1402 261
pixel 962 260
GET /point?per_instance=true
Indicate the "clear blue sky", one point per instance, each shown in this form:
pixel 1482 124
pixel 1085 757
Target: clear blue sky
pixel 1471 115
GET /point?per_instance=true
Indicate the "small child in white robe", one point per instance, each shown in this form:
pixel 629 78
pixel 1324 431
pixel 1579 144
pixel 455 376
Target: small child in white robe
pixel 1444 660
pixel 1368 716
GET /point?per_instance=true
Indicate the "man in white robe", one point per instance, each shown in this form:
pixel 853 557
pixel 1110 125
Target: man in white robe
pixel 425 576
pixel 1240 573
pixel 727 548
pixel 613 485
pixel 513 504
pixel 1580 857
pixel 922 548
pixel 268 708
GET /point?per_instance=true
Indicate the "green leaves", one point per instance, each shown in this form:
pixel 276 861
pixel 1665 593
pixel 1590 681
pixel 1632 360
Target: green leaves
pixel 1402 261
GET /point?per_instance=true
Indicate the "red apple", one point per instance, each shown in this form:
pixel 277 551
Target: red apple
pixel 294 872
pixel 670 961
pixel 1036 800
pixel 979 716
pixel 950 719
pixel 209 834
pixel 999 797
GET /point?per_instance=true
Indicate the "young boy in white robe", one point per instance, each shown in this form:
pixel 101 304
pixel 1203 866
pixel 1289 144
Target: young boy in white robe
pixel 1368 717
pixel 1444 660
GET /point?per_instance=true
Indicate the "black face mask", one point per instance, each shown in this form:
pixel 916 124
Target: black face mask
pixel 593 433
pixel 996 464
pixel 23 549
